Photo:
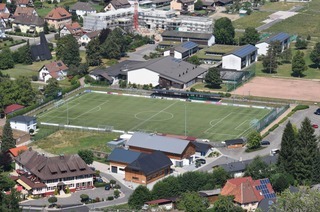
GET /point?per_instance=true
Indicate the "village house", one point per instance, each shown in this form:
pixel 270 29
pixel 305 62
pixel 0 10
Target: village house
pixel 248 192
pixel 281 37
pixel 28 24
pixel 181 152
pixel 55 69
pixel 24 123
pixel 3 8
pixel 71 29
pixel 82 9
pixel 10 109
pixel 87 37
pixel 205 39
pixel 117 4
pixel 24 11
pixel 42 176
pixel 58 17
pixel 22 3
pixel 183 50
pixel 184 6
pixel 14 152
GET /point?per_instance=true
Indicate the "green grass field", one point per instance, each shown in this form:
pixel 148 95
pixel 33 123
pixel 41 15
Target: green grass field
pixel 210 121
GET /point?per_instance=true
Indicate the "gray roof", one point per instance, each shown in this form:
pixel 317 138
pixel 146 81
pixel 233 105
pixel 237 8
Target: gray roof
pixel 156 142
pixel 244 50
pixel 117 4
pixel 47 168
pixel 123 156
pixel 25 19
pixel 171 68
pixel 151 163
pixel 84 6
pixel 265 205
pixel 207 193
pixel 278 37
pixel 179 34
pixel 115 70
pixel 23 119
pixel 185 46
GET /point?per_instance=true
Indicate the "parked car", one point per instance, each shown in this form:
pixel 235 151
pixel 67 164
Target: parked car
pixel 201 160
pixel 107 187
pixel 265 143
pixel 99 180
pixel 317 111
pixel 274 151
pixel 315 126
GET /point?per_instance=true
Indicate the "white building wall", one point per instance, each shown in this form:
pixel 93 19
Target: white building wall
pixel 143 76
pixel 84 39
pixel 166 53
pixel 23 126
pixel 211 41
pixel 231 62
pixel 262 48
pixel 83 13
pixel 177 55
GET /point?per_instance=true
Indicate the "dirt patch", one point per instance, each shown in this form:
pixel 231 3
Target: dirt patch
pixel 219 13
pixel 293 89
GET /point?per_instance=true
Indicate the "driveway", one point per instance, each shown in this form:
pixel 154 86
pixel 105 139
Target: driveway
pixel 275 136
pixel 140 52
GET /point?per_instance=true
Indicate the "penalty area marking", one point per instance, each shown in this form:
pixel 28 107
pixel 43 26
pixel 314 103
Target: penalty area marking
pixel 163 119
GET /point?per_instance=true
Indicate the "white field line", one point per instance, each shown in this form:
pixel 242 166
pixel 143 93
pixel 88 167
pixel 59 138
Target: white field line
pixel 88 111
pixel 241 124
pixel 218 122
pixel 141 123
pixel 211 133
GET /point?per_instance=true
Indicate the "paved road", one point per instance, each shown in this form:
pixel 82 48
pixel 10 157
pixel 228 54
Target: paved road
pixel 141 51
pixel 275 136
pixel 32 40
pixel 268 25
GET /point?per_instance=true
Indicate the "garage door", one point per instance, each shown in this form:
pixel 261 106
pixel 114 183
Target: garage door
pixel 114 169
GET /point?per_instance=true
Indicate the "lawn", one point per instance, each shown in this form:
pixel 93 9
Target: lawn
pixel 70 142
pixel 307 22
pixel 253 20
pixel 8 43
pixel 216 122
pixel 42 12
pixel 276 6
pixel 25 70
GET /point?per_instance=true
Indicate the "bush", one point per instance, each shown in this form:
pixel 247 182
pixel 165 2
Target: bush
pixel 97 184
pixel 193 89
pixel 227 95
pixel 34 78
pixel 117 186
pixel 110 198
pixel 116 194
pixel 97 199
pixel 273 127
pixel 84 197
pixel 56 192
pixel 67 190
pixel 52 200
pixel 300 107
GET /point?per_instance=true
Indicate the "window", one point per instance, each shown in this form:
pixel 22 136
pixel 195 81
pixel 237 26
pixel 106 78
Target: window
pixel 135 178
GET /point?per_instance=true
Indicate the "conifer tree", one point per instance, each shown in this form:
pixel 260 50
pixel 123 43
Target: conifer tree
pixel 8 141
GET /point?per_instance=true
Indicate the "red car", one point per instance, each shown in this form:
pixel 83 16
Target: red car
pixel 315 126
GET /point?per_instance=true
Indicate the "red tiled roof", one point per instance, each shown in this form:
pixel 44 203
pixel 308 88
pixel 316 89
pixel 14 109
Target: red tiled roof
pixel 15 151
pixel 54 68
pixel 12 108
pixel 4 15
pixel 74 28
pixel 24 2
pixel 243 189
pixel 58 13
pixel 23 10
pixel 2 6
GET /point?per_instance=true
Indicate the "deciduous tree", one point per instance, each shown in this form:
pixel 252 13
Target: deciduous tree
pixel 25 94
pixel 281 181
pixel 6 60
pixel 86 155
pixel 198 5
pixel 225 203
pixel 270 61
pixel 254 139
pixel 194 60
pixel 301 43
pixel 8 141
pixel 52 89
pixel 315 55
pixel 68 50
pixel 257 169
pixel 93 52
pixel 5 161
pixel 250 36
pixel 298 64
pixel 213 78
pixel 192 202
pixel 224 31
pixel 140 195
pixel 286 56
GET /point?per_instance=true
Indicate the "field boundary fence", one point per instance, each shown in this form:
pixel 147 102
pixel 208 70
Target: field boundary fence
pixel 233 84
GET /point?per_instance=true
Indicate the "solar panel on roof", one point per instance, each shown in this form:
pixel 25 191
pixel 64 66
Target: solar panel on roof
pixel 264 181
pixel 265 191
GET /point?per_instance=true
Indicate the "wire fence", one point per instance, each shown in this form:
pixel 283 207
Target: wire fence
pixel 246 76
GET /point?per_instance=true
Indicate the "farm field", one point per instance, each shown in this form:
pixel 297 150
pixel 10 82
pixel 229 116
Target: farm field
pixel 215 122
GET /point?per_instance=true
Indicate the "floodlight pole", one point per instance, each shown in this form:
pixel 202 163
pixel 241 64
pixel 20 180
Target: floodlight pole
pixel 185 119
pixel 67 112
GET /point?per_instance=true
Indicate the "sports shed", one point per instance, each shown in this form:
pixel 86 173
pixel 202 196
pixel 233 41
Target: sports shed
pixel 240 58
pixel 281 37
pixel 183 50
pixel 200 38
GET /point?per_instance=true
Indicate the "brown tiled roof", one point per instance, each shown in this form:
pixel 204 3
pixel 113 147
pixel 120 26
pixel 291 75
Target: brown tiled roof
pixel 84 6
pixel 120 4
pixel 93 34
pixel 243 189
pixel 29 20
pixel 15 151
pixel 74 28
pixel 23 10
pixel 32 183
pixel 2 6
pixel 55 67
pixel 22 2
pixel 58 13
pixel 48 168
pixel 4 15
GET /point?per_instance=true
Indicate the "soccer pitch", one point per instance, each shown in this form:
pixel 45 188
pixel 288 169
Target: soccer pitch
pixel 216 122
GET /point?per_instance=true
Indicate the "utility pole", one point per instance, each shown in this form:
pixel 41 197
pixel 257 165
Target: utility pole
pixel 185 119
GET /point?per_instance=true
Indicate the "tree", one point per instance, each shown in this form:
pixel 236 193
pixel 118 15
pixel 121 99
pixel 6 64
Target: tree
pixel 220 177
pixel 225 204
pixel 93 52
pixel 257 169
pixel 286 56
pixel 250 36
pixel 194 60
pixel 213 78
pixel 168 187
pixel 198 5
pixel 68 50
pixel 306 154
pixel 305 199
pixel 281 181
pixel 254 139
pixel 105 32
pixel 84 197
pixel 5 161
pixel 86 155
pixel 10 202
pixel 52 89
pixel 315 55
pixel 112 183
pixel 52 200
pixel 116 193
pixel 6 60
pixel 224 31
pixel 298 64
pixel 301 43
pixel 110 49
pixel 46 29
pixel 8 141
pixel 286 155
pixel 139 196
pixel 6 183
pixel 192 202
pixel 270 61
pixel 25 94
